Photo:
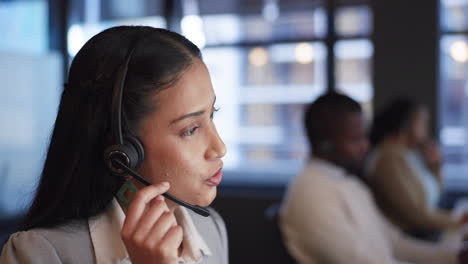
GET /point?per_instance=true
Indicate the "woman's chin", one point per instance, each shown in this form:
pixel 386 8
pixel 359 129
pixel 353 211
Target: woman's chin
pixel 208 198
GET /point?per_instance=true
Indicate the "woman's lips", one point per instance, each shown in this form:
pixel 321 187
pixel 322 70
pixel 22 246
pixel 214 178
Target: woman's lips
pixel 215 180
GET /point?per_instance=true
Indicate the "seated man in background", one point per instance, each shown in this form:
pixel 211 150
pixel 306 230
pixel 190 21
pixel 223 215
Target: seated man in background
pixel 328 214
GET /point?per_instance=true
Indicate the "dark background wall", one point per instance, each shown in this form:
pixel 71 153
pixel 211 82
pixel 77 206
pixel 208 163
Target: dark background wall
pixel 250 217
pixel 406 35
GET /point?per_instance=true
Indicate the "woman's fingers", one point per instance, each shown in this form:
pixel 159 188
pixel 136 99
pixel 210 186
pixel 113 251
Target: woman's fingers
pixel 173 238
pixel 150 232
pixel 160 228
pixel 138 206
pixel 150 217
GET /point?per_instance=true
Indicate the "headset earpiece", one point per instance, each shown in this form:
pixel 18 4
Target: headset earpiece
pixel 137 151
pixel 131 153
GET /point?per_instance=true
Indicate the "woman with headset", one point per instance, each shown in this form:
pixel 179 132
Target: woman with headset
pixel 138 101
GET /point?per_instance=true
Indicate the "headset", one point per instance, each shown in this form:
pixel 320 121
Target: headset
pixel 126 153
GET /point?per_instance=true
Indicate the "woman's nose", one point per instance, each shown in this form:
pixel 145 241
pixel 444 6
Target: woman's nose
pixel 217 148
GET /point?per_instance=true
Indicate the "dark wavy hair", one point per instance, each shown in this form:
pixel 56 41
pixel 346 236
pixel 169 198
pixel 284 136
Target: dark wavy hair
pixel 322 116
pixel 75 183
pixel 394 118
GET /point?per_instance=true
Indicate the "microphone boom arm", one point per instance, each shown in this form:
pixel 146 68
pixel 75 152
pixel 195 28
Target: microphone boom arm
pixel 196 208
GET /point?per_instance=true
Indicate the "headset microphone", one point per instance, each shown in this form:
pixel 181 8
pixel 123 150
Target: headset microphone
pixel 197 209
pixel 126 153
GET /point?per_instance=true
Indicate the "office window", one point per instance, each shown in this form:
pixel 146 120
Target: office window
pixel 91 17
pixel 233 28
pixel 267 62
pixel 23 26
pixel 353 21
pixel 262 91
pixel 31 81
pixel 354 70
pixel 453 15
pixel 353 54
pixel 454 87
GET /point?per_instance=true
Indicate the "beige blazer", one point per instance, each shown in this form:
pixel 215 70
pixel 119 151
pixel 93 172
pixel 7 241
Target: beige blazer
pixel 73 244
pixel 400 193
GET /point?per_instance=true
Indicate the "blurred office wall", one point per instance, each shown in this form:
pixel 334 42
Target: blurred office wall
pixel 31 81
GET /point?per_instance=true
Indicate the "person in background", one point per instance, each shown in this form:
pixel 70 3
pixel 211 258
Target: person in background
pixel 328 215
pixel 404 170
pixel 82 213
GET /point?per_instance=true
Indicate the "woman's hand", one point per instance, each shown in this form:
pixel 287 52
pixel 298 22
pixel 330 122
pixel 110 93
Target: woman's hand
pixel 150 231
pixel 432 155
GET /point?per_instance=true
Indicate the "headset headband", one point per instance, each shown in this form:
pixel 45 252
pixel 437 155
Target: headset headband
pixel 116 105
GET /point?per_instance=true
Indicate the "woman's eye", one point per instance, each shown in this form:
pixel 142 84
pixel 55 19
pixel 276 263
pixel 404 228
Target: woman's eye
pixel 190 131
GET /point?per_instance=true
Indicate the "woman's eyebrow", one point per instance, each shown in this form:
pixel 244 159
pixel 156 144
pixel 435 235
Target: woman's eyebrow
pixel 197 113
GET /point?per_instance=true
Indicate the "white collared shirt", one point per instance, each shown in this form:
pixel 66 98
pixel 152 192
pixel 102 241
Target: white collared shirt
pixel 109 247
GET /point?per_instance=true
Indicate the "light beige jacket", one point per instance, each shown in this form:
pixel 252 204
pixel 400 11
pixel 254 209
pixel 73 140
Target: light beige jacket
pixel 400 193
pixel 75 243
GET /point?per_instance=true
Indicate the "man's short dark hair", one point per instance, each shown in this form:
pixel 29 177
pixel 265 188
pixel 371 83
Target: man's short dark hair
pixel 323 115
